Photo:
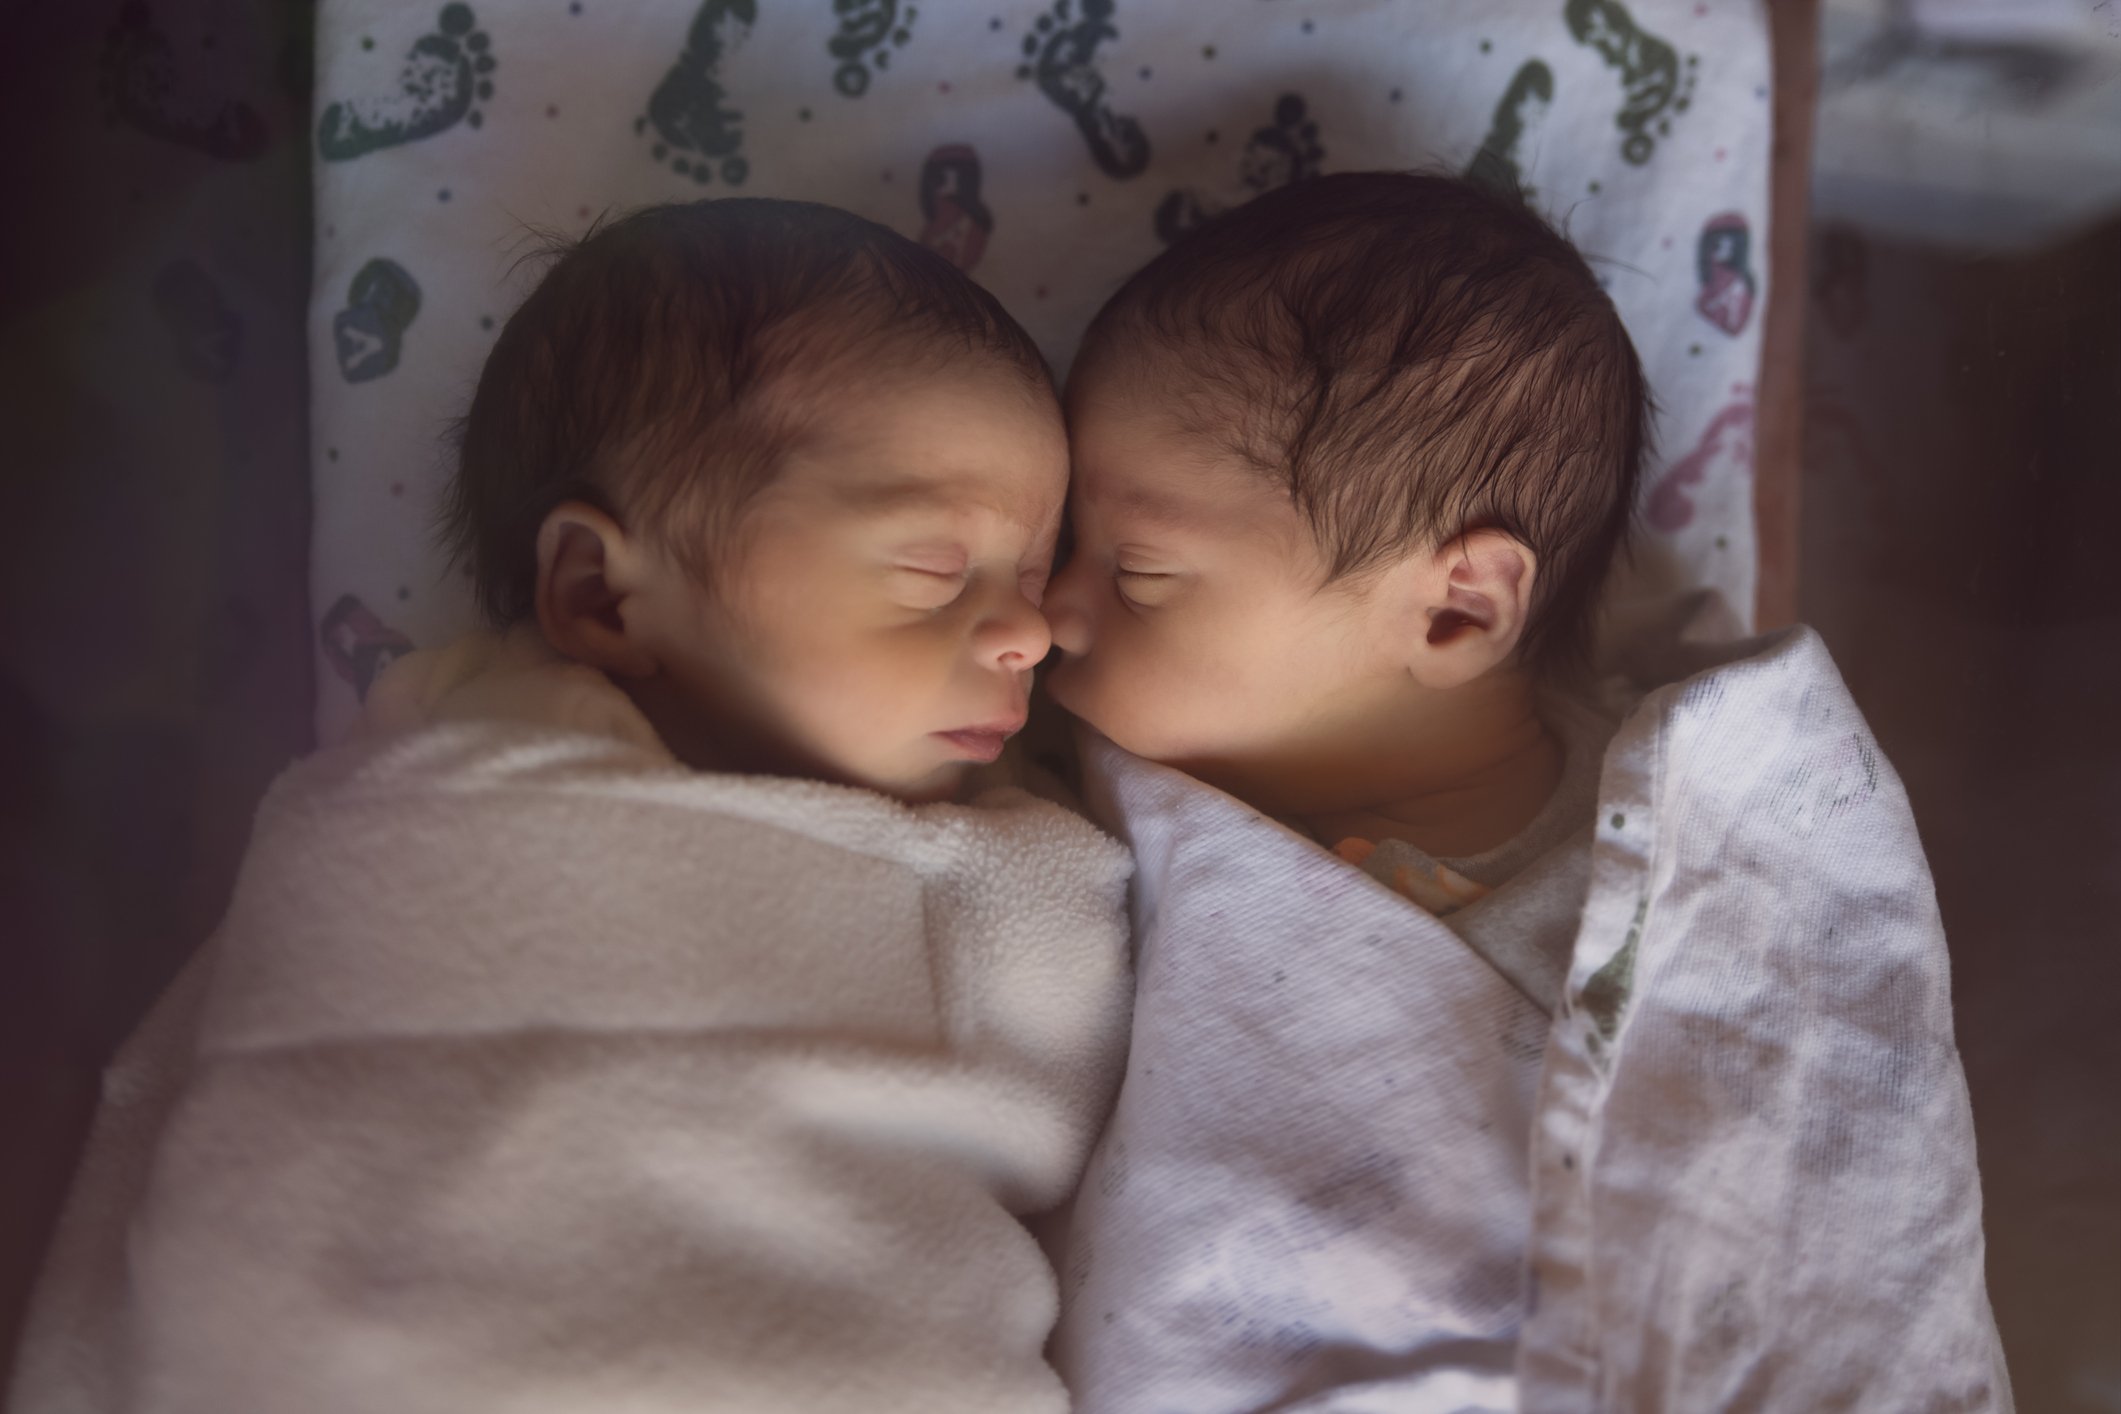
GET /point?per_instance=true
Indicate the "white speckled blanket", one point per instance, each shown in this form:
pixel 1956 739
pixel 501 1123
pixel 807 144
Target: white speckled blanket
pixel 1354 1169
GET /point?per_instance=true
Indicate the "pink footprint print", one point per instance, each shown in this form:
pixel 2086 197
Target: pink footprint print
pixel 1722 260
pixel 358 645
pixel 957 221
pixel 1729 435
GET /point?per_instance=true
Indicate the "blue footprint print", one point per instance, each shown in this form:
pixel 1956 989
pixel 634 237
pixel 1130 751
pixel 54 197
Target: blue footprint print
pixel 696 133
pixel 206 333
pixel 369 333
pixel 142 86
pixel 445 72
pixel 1061 53
pixel 869 31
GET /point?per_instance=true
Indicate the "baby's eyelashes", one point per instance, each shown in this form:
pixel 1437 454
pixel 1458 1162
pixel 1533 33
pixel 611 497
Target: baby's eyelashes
pixel 1145 588
pixel 935 585
pixel 922 588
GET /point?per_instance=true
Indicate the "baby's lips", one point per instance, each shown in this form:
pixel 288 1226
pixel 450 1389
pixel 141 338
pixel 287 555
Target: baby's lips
pixel 1007 722
pixel 983 743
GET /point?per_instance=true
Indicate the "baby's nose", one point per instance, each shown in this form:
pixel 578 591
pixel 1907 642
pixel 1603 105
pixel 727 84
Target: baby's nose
pixel 1016 637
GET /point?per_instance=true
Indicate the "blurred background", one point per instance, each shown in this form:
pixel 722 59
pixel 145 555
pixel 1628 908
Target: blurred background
pixel 1956 527
pixel 1961 494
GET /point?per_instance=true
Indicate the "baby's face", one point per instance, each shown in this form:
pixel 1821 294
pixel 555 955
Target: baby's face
pixel 882 620
pixel 1191 619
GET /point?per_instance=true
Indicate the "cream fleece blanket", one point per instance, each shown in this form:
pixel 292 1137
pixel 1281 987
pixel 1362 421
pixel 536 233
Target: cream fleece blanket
pixel 531 1071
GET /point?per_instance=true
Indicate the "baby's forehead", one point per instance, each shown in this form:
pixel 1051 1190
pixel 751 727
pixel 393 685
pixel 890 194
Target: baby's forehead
pixel 1191 495
pixel 996 477
pixel 896 420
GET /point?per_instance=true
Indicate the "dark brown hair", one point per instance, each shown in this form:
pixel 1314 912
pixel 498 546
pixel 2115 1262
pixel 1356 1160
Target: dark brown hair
pixel 1415 357
pixel 652 372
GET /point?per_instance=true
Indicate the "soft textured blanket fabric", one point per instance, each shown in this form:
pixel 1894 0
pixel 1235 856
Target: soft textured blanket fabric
pixel 532 1072
pixel 1740 1158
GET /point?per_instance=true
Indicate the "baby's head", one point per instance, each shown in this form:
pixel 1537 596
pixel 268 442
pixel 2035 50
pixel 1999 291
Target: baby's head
pixel 1365 443
pixel 789 479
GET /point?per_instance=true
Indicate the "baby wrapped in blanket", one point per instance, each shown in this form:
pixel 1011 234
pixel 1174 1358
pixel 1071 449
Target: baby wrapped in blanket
pixel 1500 1041
pixel 628 1019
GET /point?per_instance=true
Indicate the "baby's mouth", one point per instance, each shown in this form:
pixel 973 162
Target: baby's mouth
pixel 985 741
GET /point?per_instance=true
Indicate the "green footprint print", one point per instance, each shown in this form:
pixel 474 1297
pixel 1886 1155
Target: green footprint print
pixel 869 30
pixel 369 333
pixel 694 129
pixel 444 72
pixel 142 86
pixel 1499 165
pixel 1650 79
pixel 1061 53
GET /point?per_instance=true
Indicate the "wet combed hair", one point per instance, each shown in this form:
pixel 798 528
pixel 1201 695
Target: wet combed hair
pixel 669 361
pixel 1414 357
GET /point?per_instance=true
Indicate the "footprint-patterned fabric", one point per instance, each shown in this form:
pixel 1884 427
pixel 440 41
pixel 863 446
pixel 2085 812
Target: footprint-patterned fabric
pixel 1047 146
pixel 446 72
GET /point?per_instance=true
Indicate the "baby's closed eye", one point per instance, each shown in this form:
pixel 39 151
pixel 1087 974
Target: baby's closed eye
pixel 927 586
pixel 1146 588
pixel 937 584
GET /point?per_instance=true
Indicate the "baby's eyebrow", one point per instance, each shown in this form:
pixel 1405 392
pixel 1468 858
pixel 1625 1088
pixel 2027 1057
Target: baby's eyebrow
pixel 908 497
pixel 901 495
pixel 1147 506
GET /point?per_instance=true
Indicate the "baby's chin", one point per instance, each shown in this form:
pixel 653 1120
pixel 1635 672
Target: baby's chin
pixel 922 787
pixel 944 784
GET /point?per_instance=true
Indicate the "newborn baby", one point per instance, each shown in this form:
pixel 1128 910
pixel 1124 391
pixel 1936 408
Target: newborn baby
pixel 1350 471
pixel 785 480
pixel 629 1018
pixel 1493 1048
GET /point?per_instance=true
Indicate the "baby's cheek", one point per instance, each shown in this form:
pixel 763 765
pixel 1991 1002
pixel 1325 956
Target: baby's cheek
pixel 1148 695
pixel 864 689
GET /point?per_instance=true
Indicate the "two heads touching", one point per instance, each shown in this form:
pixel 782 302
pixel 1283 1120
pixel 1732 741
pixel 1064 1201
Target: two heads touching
pixel 1325 504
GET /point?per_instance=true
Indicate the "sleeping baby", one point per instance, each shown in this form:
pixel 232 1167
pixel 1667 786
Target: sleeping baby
pixel 630 1017
pixel 1504 1038
pixel 1345 585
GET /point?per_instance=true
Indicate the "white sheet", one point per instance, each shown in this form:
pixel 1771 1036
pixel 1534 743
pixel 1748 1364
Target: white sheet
pixel 1745 1178
pixel 530 1072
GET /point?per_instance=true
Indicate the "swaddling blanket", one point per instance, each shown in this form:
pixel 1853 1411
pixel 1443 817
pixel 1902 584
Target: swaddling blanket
pixel 1352 1169
pixel 533 1072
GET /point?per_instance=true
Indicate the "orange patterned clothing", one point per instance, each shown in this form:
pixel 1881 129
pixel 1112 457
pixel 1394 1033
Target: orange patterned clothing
pixel 1399 866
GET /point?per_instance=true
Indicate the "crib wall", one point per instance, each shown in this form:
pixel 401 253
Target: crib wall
pixel 154 666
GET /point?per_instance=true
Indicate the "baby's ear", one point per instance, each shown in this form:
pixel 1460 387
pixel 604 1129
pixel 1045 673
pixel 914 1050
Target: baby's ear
pixel 590 575
pixel 1478 594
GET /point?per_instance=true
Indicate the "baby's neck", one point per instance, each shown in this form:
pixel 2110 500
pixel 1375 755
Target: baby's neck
pixel 1479 807
pixel 1453 774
